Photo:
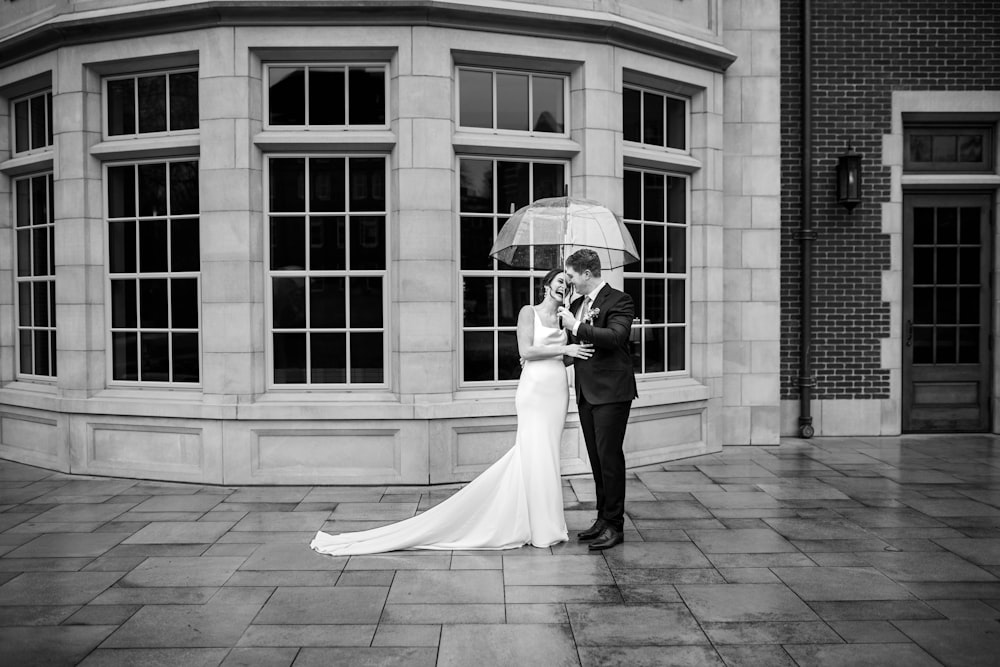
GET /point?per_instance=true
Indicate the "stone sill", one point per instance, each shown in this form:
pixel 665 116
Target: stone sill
pixel 40 161
pixel 131 148
pixel 515 144
pixel 659 158
pixel 312 140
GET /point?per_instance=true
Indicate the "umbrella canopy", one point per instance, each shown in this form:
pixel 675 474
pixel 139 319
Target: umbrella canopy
pixel 544 233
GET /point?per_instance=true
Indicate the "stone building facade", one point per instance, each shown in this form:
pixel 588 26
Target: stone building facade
pixel 246 242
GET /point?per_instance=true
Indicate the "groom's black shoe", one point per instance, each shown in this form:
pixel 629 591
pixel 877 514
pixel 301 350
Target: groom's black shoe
pixel 591 532
pixel 608 538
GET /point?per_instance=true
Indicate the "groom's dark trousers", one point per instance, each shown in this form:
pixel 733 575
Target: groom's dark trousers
pixel 605 387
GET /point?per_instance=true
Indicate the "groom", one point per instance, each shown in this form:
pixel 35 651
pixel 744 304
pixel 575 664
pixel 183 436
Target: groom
pixel 605 387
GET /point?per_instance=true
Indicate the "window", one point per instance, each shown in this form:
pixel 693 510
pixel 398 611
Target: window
pixel 653 118
pixel 326 95
pixel 492 292
pixel 36 285
pixel 32 120
pixel 516 101
pixel 154 266
pixel 327 256
pixel 948 148
pixel 162 102
pixel 656 214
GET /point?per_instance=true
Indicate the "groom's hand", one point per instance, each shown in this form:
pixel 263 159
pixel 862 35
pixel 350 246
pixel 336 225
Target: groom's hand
pixel 567 318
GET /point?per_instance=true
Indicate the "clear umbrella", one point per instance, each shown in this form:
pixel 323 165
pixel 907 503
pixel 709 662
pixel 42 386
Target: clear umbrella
pixel 544 233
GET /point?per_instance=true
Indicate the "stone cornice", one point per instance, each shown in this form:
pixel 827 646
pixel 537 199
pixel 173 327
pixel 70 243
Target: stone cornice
pixel 506 17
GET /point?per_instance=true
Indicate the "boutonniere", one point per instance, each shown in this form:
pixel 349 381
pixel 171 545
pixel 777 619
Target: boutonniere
pixel 591 314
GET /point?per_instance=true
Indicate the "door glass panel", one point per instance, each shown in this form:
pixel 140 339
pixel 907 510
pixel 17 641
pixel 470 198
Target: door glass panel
pixel 968 305
pixel 968 345
pixel 923 305
pixel 923 266
pixel 947 265
pixel 969 218
pixel 947 230
pixel 923 340
pixel 946 304
pixel 968 266
pixel 923 226
pixel 944 345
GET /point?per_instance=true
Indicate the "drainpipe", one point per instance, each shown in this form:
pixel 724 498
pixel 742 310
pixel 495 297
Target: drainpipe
pixel 806 233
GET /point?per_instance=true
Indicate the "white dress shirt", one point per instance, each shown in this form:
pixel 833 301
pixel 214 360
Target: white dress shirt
pixel 587 304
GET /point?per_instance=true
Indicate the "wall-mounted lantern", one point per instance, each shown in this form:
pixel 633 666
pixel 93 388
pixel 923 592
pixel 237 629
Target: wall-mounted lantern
pixel 849 179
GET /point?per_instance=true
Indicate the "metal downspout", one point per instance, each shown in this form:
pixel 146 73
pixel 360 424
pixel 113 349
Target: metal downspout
pixel 806 233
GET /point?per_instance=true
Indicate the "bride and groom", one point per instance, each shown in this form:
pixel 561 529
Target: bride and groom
pixel 518 500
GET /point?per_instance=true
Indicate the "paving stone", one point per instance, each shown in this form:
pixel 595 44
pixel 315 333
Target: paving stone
pixel 183 571
pixel 180 626
pixel 740 540
pixel 146 596
pixel 199 502
pixel 102 614
pixel 51 645
pixel 771 632
pixel 954 609
pixel 537 613
pixel 667 510
pixel 83 513
pixel 36 564
pixel 647 555
pixel 841 583
pixel 507 644
pixel 55 588
pixel 274 578
pixel 866 610
pixel 281 521
pixel 407 635
pixel 401 561
pixel 447 586
pixel 650 656
pixel 927 567
pixel 869 632
pixel 964 507
pixel 180 532
pixel 744 602
pixel 36 615
pixel 558 571
pixel 260 657
pixel 128 657
pixel 366 578
pixel 862 655
pixel 755 656
pixel 736 499
pixel 979 551
pixel 302 634
pixel 651 577
pixel 634 625
pixel 439 614
pixel 356 605
pixel 384 656
pixel 291 557
pixel 68 545
pixel 563 593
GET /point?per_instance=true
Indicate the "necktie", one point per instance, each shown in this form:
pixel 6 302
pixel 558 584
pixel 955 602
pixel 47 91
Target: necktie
pixel 585 309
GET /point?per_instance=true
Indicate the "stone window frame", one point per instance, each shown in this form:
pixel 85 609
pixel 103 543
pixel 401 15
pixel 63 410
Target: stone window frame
pixel 137 275
pixel 635 271
pixel 29 99
pixel 135 75
pixel 31 280
pixel 306 273
pixel 347 65
pixel 530 73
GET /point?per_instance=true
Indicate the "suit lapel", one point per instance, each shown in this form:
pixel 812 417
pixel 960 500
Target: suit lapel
pixel 602 296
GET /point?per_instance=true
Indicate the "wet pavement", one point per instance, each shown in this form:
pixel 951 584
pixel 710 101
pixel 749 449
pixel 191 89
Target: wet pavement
pixel 833 551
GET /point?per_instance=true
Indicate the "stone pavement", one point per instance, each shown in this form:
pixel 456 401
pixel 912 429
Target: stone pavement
pixel 846 551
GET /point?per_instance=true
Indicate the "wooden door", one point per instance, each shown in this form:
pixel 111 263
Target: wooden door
pixel 947 305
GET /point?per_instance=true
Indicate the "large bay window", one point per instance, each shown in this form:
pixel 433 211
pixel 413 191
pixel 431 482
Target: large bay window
pixel 493 292
pixel 154 269
pixel 656 215
pixel 35 277
pixel 327 256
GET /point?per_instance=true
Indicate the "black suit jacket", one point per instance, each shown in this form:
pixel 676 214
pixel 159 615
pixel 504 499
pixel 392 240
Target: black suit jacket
pixel 607 377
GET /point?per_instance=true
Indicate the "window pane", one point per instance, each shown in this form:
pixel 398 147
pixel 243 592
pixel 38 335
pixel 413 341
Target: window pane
pixel 21 127
pixel 968 305
pixel 366 302
pixel 923 351
pixel 366 95
pixel 968 345
pixel 512 101
pixel 125 358
pixel 328 304
pixel 152 246
pixel 923 225
pixel 652 119
pixel 185 357
pixel 475 98
pixel 548 180
pixel 52 347
pixel 547 104
pixel 153 303
pixel 154 353
pixel 508 357
pixel 185 246
pixel 24 252
pixel 41 349
pixel 290 358
pixel 512 186
pixel 653 248
pixel 184 101
pixel 478 356
pixel 633 195
pixel 970 148
pixel 183 188
pixel 326 186
pixel 326 96
pixel 288 308
pixel 944 148
pixel 184 303
pixel 946 305
pixel 476 183
pixel 968 266
pixel 367 184
pixel 286 95
pixel 513 293
pixel 477 240
pixel 121 246
pixel 121 107
pixel 920 148
pixel 287 184
pixel 676 301
pixel 654 194
pixel 477 302
pixel 635 231
pixel 22 201
pixel 923 266
pixel 152 103
pixel 970 225
pixel 121 192
pixel 40 251
pixel 39 117
pixel 288 244
pixel 947 225
pixel 654 349
pixel 676 124
pixel 632 114
pixel 24 304
pixel 676 250
pixel 123 308
pixel 39 201
pixel 367 243
pixel 366 357
pixel 40 295
pixel 945 345
pixel 24 351
pixel 327 243
pixel 676 199
pixel 153 189
pixel 947 266
pixel 654 307
pixel 675 348
pixel 329 358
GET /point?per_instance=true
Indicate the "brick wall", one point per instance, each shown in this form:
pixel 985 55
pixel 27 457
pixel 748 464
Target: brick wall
pixel 862 51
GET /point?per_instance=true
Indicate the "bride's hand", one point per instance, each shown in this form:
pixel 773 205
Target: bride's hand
pixel 580 351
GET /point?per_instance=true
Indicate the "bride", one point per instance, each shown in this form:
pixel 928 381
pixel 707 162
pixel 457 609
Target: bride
pixel 517 500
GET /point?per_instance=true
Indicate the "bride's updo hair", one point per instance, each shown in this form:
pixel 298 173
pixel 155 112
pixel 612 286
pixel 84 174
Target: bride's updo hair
pixel 547 280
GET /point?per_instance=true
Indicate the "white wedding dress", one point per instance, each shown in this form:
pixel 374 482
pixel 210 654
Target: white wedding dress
pixel 516 501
